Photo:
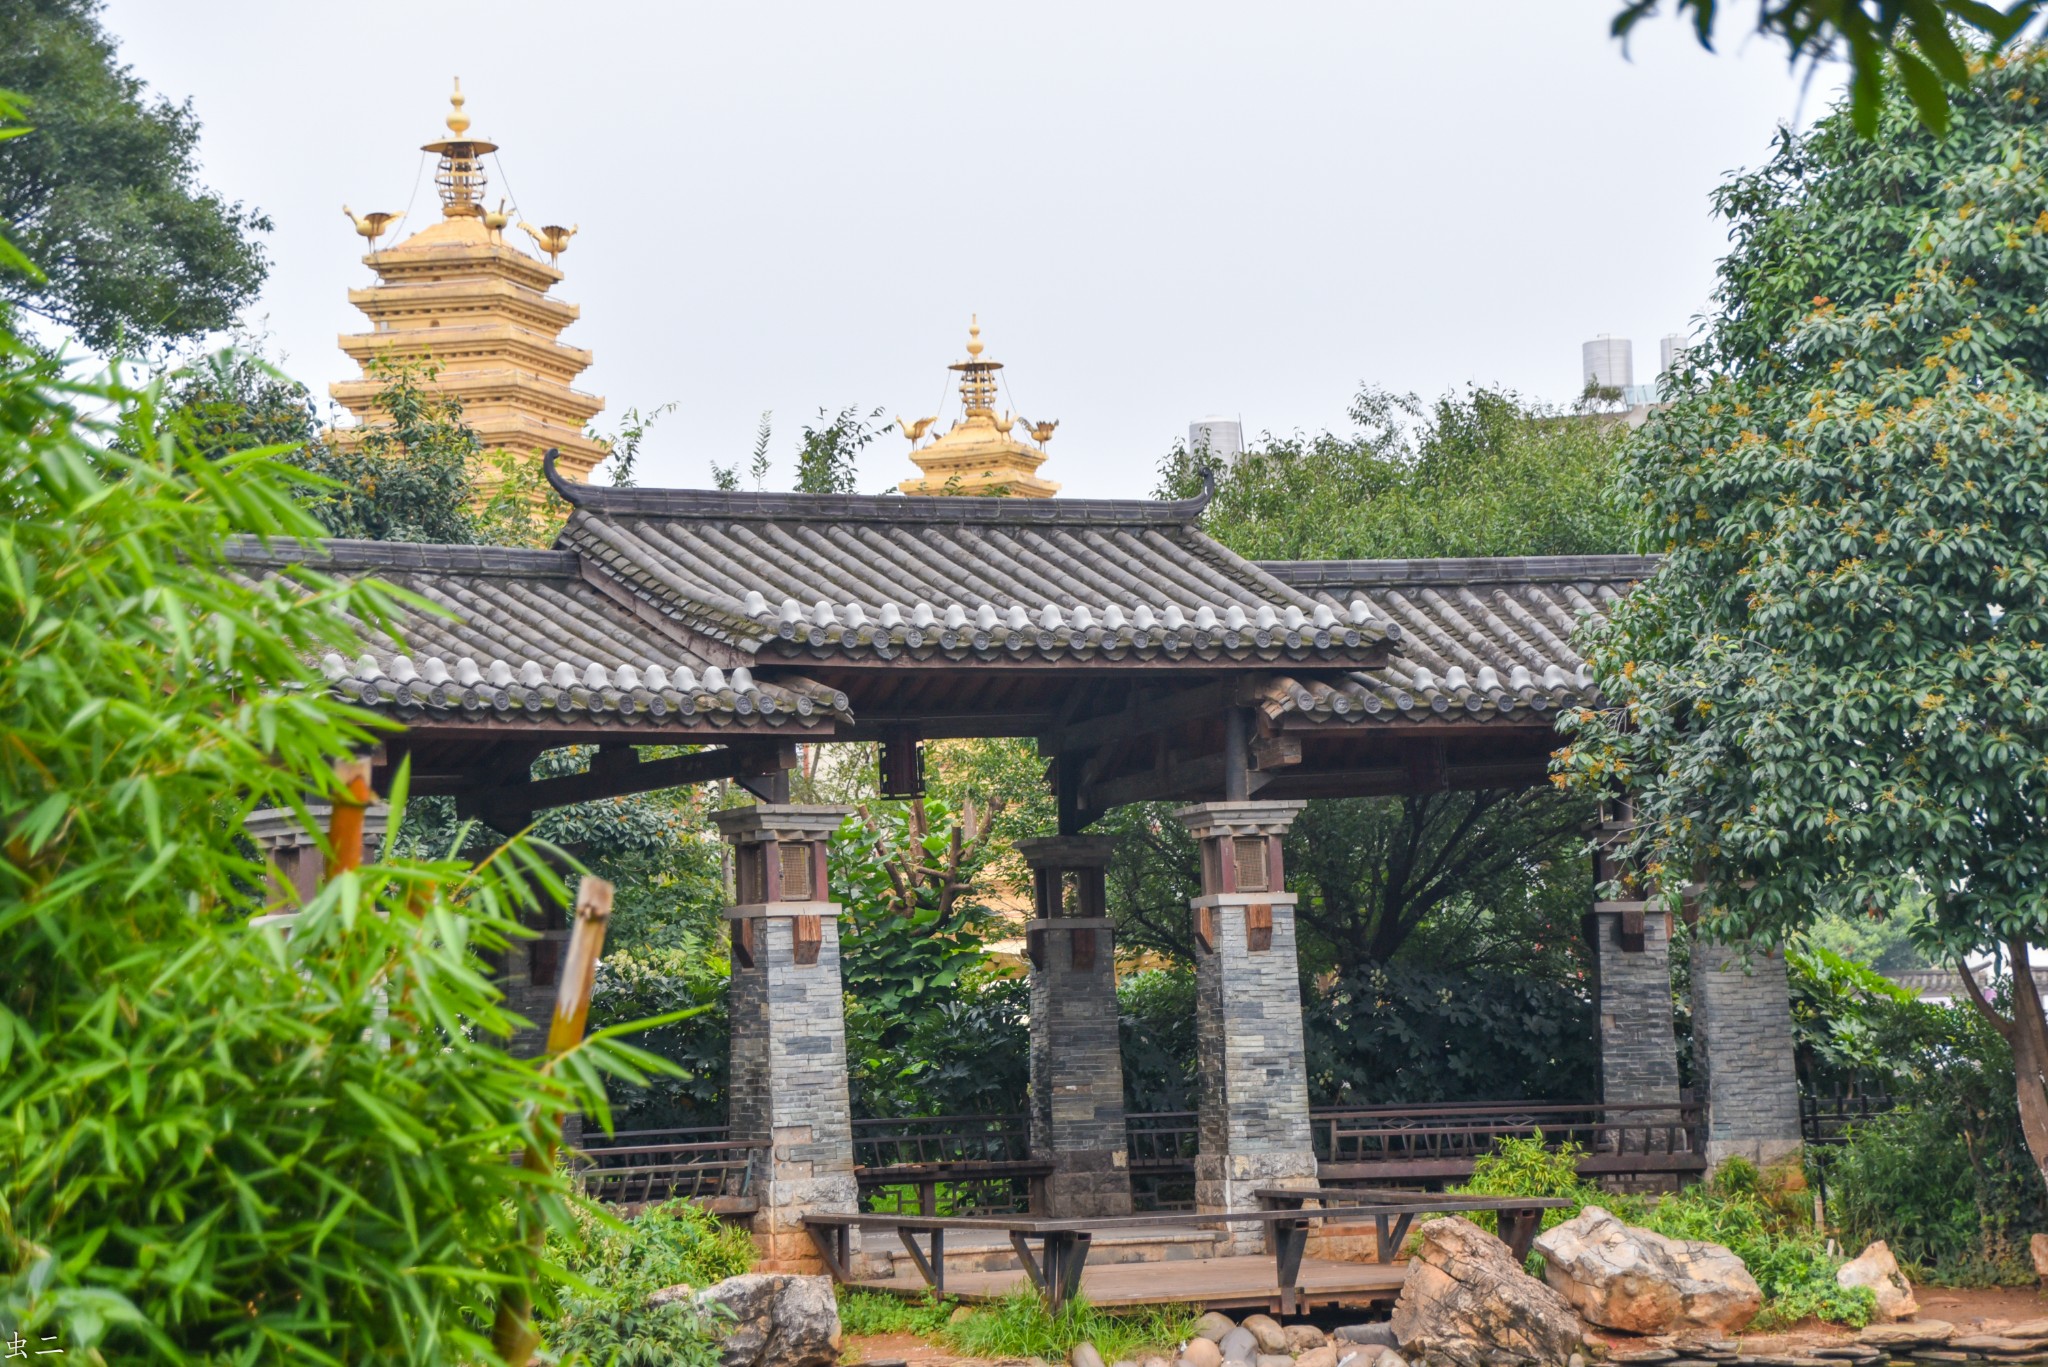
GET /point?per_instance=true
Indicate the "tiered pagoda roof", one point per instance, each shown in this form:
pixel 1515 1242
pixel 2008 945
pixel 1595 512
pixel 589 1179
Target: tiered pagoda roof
pixel 457 297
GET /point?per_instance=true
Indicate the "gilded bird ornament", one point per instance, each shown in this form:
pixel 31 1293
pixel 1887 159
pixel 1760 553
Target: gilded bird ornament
pixel 916 430
pixel 496 219
pixel 1041 432
pixel 553 239
pixel 370 226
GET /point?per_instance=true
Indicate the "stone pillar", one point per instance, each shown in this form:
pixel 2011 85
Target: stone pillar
pixel 788 1022
pixel 1254 1129
pixel 1077 1073
pixel 1742 1055
pixel 1632 993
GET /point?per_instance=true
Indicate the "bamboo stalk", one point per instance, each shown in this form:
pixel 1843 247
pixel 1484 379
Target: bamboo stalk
pixel 513 1334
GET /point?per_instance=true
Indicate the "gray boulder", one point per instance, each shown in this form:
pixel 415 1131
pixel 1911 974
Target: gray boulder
pixel 1084 1354
pixel 1380 1332
pixel 1201 1352
pixel 1468 1303
pixel 1214 1325
pixel 779 1319
pixel 1239 1345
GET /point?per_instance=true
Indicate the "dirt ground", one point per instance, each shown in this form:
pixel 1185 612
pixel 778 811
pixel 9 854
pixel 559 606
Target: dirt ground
pixel 1970 1311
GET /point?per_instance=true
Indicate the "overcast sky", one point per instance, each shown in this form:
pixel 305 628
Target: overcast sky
pixel 1158 211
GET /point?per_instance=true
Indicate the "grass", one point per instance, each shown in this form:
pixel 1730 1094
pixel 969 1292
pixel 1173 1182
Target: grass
pixel 1018 1325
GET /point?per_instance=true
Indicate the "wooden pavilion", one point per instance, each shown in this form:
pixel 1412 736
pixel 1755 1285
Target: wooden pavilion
pixel 1148 662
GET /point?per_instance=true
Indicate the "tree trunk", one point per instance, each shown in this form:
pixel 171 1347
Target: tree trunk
pixel 2029 1039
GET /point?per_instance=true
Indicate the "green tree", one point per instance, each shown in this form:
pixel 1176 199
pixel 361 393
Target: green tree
pixel 828 461
pixel 1912 44
pixel 411 477
pixel 234 400
pixel 1833 693
pixel 1481 473
pixel 105 194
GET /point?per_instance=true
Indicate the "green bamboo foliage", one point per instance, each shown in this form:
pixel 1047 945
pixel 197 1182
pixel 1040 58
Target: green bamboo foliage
pixel 218 1144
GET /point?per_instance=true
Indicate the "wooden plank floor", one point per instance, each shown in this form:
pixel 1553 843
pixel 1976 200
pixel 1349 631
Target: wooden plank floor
pixel 1213 1283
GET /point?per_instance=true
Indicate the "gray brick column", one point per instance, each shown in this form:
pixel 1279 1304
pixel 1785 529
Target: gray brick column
pixel 1742 1055
pixel 788 1023
pixel 1254 1102
pixel 1632 993
pixel 1077 1073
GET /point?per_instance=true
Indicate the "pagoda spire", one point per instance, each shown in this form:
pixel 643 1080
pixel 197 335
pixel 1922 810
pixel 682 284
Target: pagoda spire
pixel 477 310
pixel 978 454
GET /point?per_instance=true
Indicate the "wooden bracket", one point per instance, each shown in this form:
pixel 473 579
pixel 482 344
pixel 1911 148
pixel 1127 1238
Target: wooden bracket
pixel 1082 943
pixel 1258 927
pixel 1205 929
pixel 808 937
pixel 743 941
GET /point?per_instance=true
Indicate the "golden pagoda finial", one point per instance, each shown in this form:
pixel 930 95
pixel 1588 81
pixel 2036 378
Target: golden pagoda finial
pixel 459 170
pixel 458 122
pixel 978 454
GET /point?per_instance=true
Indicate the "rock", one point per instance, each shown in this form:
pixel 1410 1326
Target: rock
pixel 1214 1325
pixel 2038 1246
pixel 1084 1354
pixel 1133 1362
pixel 1468 1303
pixel 1642 1282
pixel 1239 1345
pixel 1875 1268
pixel 1380 1332
pixel 1908 1334
pixel 1272 1338
pixel 1153 1360
pixel 1302 1337
pixel 962 1313
pixel 2026 1329
pixel 1322 1356
pixel 1202 1352
pixel 780 1319
pixel 1646 1356
pixel 2002 1345
pixel 1273 1360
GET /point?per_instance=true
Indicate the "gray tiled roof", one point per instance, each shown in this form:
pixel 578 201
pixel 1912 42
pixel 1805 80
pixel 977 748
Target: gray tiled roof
pixel 833 576
pixel 527 633
pixel 1482 639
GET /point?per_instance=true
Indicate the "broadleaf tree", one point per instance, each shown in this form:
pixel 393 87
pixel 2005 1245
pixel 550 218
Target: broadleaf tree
pixel 1833 693
pixel 104 194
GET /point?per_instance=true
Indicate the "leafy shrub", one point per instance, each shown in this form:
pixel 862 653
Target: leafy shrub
pixel 665 1245
pixel 1745 1211
pixel 221 1143
pixel 610 1333
pixel 607 1322
pixel 692 975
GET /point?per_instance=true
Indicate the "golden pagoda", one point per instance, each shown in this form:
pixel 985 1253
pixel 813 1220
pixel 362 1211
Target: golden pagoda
pixel 458 298
pixel 978 454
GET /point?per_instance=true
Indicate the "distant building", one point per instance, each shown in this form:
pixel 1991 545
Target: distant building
pixel 980 453
pixel 455 296
pixel 1222 439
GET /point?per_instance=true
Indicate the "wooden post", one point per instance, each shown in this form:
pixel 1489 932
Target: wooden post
pixel 512 1335
pixel 345 824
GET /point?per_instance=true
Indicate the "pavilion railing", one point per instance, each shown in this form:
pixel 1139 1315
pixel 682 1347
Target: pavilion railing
pixel 1825 1120
pixel 982 1164
pixel 947 1165
pixel 702 1164
pixel 1441 1142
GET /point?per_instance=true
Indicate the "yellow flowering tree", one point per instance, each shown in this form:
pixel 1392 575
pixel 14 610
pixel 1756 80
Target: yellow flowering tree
pixel 1834 690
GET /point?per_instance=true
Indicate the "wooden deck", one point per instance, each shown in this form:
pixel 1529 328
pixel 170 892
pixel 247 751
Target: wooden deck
pixel 1234 1282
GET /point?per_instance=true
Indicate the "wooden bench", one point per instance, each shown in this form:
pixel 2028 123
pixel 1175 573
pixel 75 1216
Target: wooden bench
pixel 1519 1217
pixel 1055 1270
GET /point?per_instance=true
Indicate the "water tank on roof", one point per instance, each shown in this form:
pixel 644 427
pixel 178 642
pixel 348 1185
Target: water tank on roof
pixel 1609 363
pixel 1668 349
pixel 1221 438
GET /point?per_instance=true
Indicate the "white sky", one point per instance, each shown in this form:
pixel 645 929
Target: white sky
pixel 1158 210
